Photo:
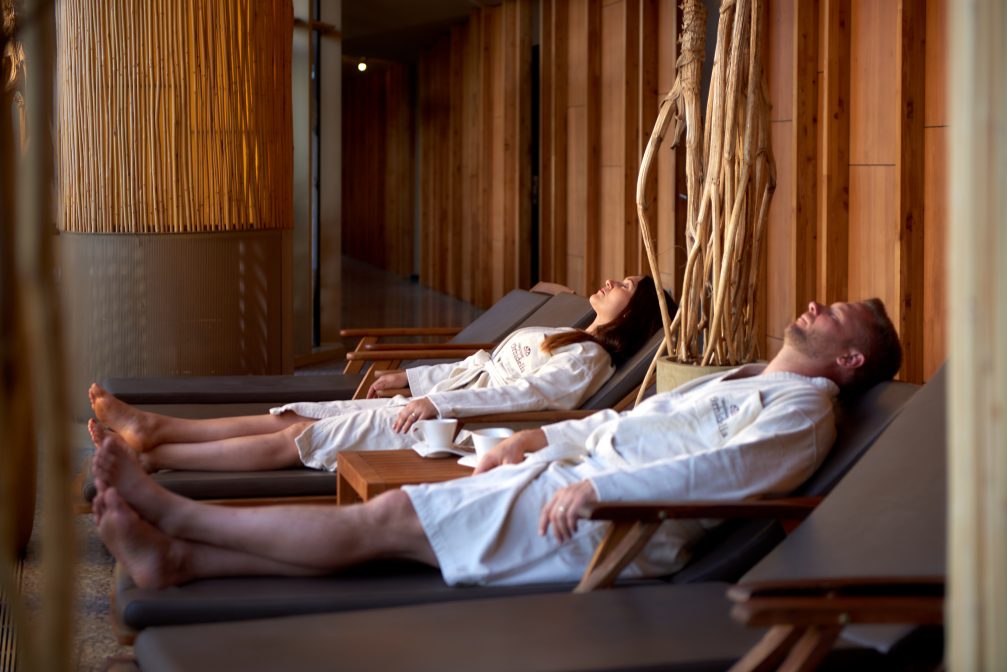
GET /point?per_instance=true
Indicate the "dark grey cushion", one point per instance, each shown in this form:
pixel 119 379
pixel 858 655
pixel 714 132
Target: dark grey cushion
pixel 499 320
pixel 627 629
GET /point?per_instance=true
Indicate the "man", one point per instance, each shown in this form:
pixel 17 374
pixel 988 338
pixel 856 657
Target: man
pixel 755 431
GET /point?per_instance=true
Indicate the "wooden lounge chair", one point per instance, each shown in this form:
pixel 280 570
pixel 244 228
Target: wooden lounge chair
pixel 492 325
pixel 302 484
pixel 725 555
pixel 885 519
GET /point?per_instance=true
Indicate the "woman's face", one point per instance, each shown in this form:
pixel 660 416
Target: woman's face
pixel 613 297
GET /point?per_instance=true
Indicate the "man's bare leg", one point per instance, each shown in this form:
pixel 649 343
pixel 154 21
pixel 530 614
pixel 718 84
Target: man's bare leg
pixel 155 560
pixel 143 430
pixel 319 537
pixel 258 452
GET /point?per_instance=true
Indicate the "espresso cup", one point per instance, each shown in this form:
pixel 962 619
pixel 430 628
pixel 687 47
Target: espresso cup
pixel 437 433
pixel 484 439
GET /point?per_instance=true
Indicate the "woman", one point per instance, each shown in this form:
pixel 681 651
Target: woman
pixel 534 368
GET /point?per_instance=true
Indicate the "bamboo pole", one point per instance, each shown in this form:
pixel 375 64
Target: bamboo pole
pixel 172 117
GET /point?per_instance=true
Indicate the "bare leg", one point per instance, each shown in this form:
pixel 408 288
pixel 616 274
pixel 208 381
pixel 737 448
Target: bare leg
pixel 155 560
pixel 319 537
pixel 143 430
pixel 258 452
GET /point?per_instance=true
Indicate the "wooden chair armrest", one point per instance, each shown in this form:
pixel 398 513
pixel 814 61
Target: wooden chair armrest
pixel 634 523
pixel 805 617
pixel 834 586
pixel 391 392
pixel 779 509
pixel 448 347
pixel 527 416
pixel 360 332
pixel 552 288
pixel 426 353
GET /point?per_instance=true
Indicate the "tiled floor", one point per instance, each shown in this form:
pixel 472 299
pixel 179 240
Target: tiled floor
pixel 371 297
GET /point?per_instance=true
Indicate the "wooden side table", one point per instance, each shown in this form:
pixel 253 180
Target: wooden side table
pixel 365 474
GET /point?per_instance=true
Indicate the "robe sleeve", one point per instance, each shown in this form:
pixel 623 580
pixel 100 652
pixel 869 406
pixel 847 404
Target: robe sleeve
pixel 774 454
pixel 561 383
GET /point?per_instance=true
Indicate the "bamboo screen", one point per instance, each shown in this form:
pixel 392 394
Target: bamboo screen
pixel 174 117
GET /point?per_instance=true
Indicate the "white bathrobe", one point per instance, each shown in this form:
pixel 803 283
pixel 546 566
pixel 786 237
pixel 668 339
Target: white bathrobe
pixel 715 438
pixel 517 376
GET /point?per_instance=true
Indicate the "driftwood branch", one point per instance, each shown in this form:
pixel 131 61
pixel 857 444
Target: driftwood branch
pixel 730 179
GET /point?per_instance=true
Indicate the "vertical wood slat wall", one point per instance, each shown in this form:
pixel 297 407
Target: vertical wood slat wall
pixel 604 66
pixel 859 140
pixel 880 158
pixel 474 128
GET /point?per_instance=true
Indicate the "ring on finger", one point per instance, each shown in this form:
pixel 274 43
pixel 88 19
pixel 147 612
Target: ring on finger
pixel 562 508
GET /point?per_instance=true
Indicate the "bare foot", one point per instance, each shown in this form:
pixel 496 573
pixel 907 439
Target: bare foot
pixel 115 465
pixel 150 557
pixel 97 431
pixel 135 426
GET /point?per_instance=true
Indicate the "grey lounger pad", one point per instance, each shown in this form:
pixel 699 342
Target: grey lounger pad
pixel 732 549
pixel 232 389
pixel 499 320
pixel 369 587
pixel 625 629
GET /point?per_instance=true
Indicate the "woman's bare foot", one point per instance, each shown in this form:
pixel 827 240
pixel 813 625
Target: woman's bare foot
pixel 135 426
pixel 150 557
pixel 115 465
pixel 98 431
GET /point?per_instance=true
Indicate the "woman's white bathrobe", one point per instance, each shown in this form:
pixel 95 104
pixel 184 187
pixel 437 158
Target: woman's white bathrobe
pixel 715 438
pixel 516 376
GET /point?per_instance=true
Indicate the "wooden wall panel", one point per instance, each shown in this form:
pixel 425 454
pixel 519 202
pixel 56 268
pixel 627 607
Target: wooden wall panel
pixel 670 236
pixel 804 126
pixel 612 123
pixel 935 226
pixel 834 156
pixel 873 78
pixel 935 208
pixel 909 170
pixel 874 236
pixel 781 293
pixel 475 155
pixel 553 141
pixel 936 113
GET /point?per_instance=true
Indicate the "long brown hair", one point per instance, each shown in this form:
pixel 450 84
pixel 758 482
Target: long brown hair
pixel 627 333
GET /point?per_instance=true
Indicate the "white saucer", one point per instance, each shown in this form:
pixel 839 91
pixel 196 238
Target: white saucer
pixel 425 450
pixel 470 460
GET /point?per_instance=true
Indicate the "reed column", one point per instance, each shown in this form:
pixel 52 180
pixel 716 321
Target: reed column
pixel 174 180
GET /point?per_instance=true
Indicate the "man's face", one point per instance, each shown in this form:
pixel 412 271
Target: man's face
pixel 826 332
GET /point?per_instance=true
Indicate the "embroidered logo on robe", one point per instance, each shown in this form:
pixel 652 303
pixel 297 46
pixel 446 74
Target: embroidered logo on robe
pixel 723 412
pixel 520 353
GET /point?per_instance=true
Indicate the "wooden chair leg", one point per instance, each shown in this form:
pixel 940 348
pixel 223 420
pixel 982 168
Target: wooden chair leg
pixel 370 376
pixel 355 366
pixel 620 546
pixel 811 649
pixel 770 651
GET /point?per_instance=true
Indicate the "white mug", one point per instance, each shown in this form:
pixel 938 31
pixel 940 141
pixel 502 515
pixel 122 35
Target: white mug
pixel 437 433
pixel 486 439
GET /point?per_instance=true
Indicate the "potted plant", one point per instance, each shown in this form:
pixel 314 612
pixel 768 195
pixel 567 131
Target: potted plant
pixel 730 176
